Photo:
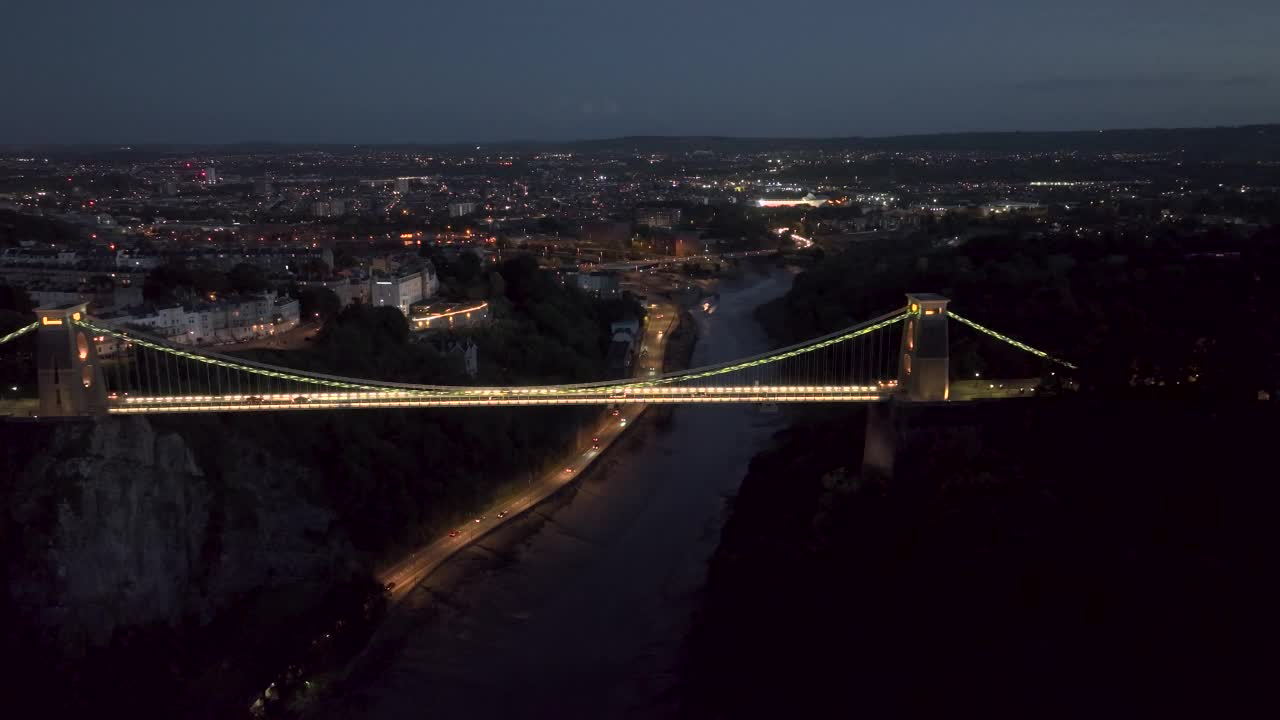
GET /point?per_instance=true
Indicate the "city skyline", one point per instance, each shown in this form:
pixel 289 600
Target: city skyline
pixel 406 73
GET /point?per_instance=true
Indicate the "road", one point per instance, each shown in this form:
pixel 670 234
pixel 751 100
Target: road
pixel 405 574
pixel 294 339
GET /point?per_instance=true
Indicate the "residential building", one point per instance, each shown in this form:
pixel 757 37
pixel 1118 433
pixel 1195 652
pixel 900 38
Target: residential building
pixel 658 217
pixel 465 350
pixel 349 290
pixel 100 299
pixel 458 209
pixel 226 320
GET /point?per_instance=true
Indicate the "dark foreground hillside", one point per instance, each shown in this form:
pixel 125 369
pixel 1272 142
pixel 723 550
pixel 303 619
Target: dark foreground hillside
pixel 1048 558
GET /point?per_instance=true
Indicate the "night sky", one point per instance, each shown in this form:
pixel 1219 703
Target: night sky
pixel 484 70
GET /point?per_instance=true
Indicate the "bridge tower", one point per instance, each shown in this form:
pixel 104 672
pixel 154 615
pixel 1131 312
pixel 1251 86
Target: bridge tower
pixel 924 359
pixel 67 370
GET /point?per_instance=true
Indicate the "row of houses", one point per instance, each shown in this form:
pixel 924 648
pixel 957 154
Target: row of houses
pixel 213 322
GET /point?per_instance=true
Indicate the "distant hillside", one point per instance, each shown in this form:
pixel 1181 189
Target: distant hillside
pixel 1247 142
pixel 1236 144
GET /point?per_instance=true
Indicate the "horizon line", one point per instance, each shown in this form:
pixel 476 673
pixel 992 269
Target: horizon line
pixel 620 138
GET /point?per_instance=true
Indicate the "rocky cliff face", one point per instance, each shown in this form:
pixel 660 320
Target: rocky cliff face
pixel 119 526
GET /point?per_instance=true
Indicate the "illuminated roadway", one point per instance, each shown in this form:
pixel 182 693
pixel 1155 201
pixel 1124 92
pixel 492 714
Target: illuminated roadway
pixel 523 397
pixel 417 565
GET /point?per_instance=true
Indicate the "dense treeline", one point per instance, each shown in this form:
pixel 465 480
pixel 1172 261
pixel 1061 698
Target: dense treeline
pixel 397 477
pixel 1058 558
pixel 1130 308
pixel 543 331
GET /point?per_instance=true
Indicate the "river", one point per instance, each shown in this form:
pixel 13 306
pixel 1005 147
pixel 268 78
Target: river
pixel 579 611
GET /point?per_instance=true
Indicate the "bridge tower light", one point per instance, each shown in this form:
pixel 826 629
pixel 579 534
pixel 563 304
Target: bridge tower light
pixel 923 361
pixel 67 370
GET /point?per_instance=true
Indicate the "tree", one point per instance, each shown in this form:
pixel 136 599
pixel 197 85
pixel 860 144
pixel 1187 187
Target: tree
pixel 164 282
pixel 343 261
pixel 314 268
pixel 15 299
pixel 497 286
pixel 318 303
pixel 248 278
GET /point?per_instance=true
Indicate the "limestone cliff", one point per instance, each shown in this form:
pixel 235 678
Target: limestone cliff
pixel 119 526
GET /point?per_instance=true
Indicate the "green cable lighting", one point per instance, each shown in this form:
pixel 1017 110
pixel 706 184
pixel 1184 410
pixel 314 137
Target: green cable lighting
pixel 464 391
pixel 19 333
pixel 234 366
pixel 774 358
pixel 1011 341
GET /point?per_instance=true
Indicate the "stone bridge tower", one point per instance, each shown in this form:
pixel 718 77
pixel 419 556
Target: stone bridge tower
pixel 68 374
pixel 924 360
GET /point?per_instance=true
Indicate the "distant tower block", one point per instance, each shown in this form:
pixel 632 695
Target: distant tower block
pixel 923 362
pixel 68 373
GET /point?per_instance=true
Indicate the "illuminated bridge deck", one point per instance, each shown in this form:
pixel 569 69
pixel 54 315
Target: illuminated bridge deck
pixel 87 367
pixel 499 398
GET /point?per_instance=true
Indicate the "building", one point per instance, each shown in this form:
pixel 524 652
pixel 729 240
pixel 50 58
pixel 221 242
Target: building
pixel 226 320
pixel 658 217
pixel 448 315
pixel 349 290
pixel 26 274
pixel 281 258
pixel 465 350
pixel 402 185
pixel 601 284
pixel 630 326
pixel 622 353
pixel 399 290
pixel 210 175
pixel 319 209
pixel 100 299
pixel 458 209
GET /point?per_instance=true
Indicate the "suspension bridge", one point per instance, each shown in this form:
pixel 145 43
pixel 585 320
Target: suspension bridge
pixel 87 367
